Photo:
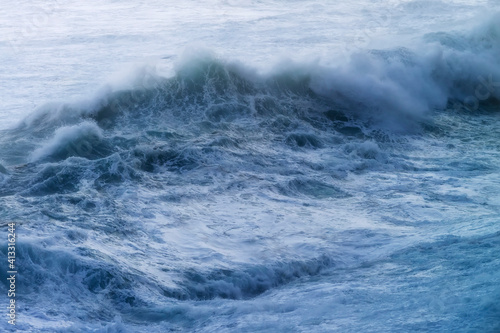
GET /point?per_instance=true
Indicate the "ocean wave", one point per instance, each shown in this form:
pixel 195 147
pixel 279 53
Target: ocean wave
pixel 392 88
pixel 79 140
pixel 90 272
pixel 214 117
pixel 247 283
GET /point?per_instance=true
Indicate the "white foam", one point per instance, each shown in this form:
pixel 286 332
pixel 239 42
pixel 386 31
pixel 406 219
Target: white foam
pixel 73 140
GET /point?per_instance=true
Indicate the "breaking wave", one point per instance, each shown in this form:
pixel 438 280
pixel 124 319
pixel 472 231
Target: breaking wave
pixel 297 135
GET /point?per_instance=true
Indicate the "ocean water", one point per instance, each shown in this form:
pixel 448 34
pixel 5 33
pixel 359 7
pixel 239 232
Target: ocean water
pixel 251 166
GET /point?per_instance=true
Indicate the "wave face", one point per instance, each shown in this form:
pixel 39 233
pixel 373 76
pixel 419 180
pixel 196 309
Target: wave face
pixel 309 197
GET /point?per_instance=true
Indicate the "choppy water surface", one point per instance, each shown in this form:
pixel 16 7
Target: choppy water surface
pixel 310 167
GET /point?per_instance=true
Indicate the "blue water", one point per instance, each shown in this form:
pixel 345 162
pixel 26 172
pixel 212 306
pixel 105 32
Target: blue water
pixel 218 166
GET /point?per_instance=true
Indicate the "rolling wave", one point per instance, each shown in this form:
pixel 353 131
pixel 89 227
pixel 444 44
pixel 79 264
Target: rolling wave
pixel 111 170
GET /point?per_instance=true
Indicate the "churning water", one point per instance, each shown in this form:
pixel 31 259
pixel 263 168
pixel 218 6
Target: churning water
pixel 252 166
